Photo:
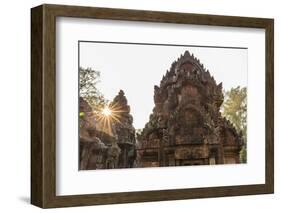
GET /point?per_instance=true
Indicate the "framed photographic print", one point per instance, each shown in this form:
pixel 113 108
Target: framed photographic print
pixel 136 106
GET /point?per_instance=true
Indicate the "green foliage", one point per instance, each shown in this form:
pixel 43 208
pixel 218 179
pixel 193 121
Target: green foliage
pixel 89 79
pixel 234 109
pixel 243 153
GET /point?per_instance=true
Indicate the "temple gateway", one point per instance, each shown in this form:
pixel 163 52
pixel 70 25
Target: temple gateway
pixel 186 126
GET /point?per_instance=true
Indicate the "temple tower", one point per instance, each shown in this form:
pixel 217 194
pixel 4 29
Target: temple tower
pixel 186 126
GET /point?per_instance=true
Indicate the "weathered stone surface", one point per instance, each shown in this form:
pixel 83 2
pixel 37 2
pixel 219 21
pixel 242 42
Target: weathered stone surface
pixel 124 130
pixel 186 126
pixel 110 143
pixel 92 151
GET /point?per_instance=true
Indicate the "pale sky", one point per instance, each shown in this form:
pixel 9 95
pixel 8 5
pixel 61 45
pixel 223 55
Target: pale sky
pixel 137 68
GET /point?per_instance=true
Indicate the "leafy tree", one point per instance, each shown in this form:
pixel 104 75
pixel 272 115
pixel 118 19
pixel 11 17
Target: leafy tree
pixel 89 79
pixel 234 109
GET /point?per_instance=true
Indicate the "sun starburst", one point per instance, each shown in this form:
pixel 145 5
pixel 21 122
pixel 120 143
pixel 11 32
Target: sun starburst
pixel 109 115
pixel 106 111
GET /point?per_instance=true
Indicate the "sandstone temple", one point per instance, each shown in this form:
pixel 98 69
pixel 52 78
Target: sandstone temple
pixel 185 127
pixel 107 143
